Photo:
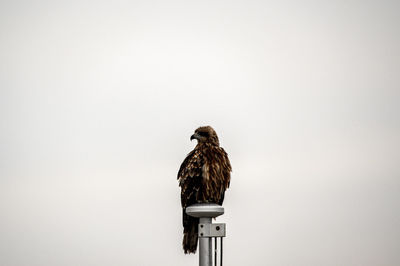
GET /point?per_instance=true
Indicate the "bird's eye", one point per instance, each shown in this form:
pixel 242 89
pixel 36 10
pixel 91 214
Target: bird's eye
pixel 203 134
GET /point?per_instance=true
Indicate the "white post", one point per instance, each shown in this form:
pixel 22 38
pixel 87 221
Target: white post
pixel 205 246
pixel 207 230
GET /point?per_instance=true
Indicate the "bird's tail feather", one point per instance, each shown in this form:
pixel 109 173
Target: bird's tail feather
pixel 190 233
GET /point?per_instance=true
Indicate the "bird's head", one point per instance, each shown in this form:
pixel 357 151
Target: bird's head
pixel 205 135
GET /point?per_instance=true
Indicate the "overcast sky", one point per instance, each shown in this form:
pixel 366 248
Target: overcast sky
pixel 98 100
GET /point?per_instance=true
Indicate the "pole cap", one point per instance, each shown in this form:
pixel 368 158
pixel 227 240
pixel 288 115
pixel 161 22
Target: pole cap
pixel 209 210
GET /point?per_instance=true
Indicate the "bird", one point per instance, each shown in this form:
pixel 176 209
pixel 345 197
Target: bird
pixel 203 176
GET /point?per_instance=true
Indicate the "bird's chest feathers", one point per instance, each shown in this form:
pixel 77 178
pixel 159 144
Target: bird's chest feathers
pixel 208 170
pixel 205 172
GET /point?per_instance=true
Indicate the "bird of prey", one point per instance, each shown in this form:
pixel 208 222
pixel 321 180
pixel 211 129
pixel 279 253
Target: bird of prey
pixel 203 177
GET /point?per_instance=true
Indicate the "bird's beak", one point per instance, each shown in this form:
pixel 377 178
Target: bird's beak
pixel 194 136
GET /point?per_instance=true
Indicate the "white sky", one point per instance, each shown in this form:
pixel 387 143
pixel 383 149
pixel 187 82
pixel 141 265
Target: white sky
pixel 98 100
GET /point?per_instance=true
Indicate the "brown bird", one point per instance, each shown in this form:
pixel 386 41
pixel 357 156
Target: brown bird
pixel 203 177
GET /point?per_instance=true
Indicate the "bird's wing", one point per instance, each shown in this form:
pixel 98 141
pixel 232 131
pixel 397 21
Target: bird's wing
pixel 189 176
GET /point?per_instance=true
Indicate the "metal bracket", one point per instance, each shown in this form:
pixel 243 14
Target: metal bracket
pixel 211 230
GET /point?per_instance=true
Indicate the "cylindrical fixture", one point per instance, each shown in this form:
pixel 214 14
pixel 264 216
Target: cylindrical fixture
pixel 205 246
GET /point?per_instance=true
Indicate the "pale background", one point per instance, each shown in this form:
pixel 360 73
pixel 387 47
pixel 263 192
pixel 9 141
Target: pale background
pixel 98 100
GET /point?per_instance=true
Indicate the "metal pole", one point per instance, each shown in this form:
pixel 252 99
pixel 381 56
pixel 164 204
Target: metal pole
pixel 205 248
pixel 215 251
pixel 222 250
pixel 207 230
